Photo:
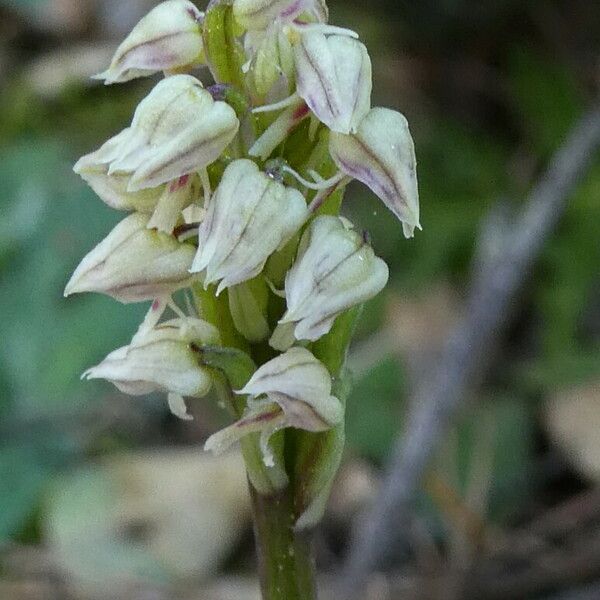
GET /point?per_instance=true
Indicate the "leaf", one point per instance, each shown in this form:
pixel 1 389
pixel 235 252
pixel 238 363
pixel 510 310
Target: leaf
pixel 25 469
pixel 374 411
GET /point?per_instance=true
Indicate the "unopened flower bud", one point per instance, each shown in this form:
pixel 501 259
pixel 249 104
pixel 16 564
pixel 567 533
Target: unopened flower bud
pixel 335 270
pixel 176 130
pixel 273 64
pixel 249 217
pixel 260 14
pixel 168 38
pixel 334 78
pixel 248 307
pixel 292 390
pixel 163 359
pixel 381 154
pixel 134 263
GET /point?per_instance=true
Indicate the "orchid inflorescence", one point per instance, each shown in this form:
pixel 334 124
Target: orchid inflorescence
pixel 234 192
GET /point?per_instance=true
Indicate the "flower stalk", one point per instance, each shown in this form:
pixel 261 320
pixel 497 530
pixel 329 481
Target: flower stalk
pixel 285 556
pixel 235 193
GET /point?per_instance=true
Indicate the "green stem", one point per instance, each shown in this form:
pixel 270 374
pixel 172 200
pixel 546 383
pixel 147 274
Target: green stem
pixel 286 567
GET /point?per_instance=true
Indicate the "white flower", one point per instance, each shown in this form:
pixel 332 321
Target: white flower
pixel 335 270
pixel 381 154
pixel 249 217
pixel 134 263
pixel 169 37
pixel 292 390
pixel 334 78
pixel 176 130
pixel 162 359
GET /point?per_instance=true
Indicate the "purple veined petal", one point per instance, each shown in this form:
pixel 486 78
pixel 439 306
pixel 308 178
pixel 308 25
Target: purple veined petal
pixel 134 264
pixel 381 155
pixel 168 38
pixel 334 77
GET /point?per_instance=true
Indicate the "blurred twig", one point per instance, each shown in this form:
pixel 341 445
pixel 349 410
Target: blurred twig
pixel 490 305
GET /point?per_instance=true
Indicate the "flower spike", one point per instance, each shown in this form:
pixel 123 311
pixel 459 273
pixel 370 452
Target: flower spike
pixel 238 188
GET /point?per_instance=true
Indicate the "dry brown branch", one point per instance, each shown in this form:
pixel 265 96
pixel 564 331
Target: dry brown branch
pixel 467 353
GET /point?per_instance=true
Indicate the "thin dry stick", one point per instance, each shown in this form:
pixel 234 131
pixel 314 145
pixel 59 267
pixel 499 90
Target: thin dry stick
pixel 437 398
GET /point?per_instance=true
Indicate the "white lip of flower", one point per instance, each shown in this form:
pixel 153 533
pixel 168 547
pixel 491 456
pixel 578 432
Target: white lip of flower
pixel 134 263
pixel 334 271
pixel 169 37
pixel 381 154
pixel 292 390
pixel 249 217
pixel 162 359
pixel 176 130
pixel 334 77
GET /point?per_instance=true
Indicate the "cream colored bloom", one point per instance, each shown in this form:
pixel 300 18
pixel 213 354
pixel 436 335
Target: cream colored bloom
pixel 176 130
pixel 381 154
pixel 335 270
pixel 292 390
pixel 169 37
pixel 249 217
pixel 334 78
pixel 134 263
pixel 162 359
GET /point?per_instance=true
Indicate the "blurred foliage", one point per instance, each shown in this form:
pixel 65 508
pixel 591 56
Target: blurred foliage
pixel 463 172
pixel 47 341
pixel 373 412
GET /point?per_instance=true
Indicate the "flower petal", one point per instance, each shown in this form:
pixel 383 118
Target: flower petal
pixel 334 78
pixel 381 154
pixel 169 37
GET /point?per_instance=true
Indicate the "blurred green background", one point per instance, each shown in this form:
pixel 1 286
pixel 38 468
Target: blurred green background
pixel 89 478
